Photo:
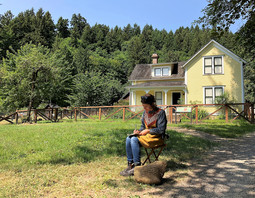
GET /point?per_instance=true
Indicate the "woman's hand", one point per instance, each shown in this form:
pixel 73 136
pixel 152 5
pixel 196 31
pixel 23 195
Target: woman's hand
pixel 144 132
pixel 136 132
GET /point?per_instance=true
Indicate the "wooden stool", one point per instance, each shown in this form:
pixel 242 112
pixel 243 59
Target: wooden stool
pixel 161 147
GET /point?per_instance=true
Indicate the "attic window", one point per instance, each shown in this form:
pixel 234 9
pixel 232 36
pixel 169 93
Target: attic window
pixel 162 71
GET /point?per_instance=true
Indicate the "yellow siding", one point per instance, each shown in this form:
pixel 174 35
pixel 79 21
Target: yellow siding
pixel 231 79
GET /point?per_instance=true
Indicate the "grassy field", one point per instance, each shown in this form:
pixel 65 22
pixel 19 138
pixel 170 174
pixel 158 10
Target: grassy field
pixel 221 128
pixel 81 159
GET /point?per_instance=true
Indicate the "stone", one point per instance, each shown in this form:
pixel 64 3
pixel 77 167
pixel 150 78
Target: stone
pixel 151 173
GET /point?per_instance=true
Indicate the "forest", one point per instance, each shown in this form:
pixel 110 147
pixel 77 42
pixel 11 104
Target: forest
pixel 71 63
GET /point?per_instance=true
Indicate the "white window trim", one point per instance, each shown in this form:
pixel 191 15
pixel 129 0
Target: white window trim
pixel 212 57
pixel 161 71
pixel 213 91
pixel 161 96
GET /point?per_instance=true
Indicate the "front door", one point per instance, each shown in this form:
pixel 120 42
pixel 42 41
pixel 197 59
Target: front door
pixel 176 98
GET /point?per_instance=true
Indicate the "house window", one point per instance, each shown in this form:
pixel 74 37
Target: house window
pixel 165 71
pixel 218 91
pixel 208 65
pixel 213 65
pixel 217 65
pixel 161 71
pixel 208 95
pixel 211 93
pixel 157 71
pixel 158 97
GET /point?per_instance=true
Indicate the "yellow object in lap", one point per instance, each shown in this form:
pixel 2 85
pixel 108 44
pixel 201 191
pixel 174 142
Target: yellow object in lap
pixel 150 141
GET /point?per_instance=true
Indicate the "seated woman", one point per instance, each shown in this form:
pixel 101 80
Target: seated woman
pixel 150 134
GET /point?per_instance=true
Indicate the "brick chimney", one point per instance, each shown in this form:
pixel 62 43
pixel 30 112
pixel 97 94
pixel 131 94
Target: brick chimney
pixel 154 58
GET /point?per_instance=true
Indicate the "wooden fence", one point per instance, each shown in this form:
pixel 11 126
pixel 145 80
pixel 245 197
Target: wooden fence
pixel 229 112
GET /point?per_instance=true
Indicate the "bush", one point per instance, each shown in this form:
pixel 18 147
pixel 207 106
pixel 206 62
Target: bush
pixel 201 114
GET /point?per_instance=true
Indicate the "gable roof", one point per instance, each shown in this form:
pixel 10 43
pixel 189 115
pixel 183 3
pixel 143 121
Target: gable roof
pixel 220 47
pixel 143 72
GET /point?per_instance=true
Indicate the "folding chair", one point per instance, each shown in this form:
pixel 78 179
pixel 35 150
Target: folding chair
pixel 153 151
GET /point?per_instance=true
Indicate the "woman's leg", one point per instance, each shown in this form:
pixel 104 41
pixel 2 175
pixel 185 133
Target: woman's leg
pixel 133 155
pixel 135 146
pixel 133 150
pixel 129 150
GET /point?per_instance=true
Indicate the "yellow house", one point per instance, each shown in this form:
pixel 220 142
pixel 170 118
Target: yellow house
pixel 209 73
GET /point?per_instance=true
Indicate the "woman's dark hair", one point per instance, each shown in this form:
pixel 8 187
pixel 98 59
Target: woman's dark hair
pixel 149 99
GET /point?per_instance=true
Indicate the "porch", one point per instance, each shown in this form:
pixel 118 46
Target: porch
pixel 172 96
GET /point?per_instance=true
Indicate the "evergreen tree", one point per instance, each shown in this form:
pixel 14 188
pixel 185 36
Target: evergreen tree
pixel 62 28
pixel 136 30
pixel 78 23
pixel 7 38
pixel 127 33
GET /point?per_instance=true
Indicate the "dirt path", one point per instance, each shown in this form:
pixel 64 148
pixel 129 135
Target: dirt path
pixel 229 171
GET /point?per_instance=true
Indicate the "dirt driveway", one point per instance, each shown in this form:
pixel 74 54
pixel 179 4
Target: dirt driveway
pixel 229 171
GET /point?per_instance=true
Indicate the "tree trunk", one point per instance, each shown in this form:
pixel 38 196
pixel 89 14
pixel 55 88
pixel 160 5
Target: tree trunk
pixel 31 101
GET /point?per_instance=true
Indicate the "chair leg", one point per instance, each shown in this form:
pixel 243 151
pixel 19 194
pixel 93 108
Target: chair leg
pixel 155 155
pixel 148 157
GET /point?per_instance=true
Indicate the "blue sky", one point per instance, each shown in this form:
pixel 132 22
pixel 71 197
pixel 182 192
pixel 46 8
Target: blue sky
pixel 161 14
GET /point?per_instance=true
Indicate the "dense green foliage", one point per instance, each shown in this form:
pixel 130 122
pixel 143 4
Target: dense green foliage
pixel 90 65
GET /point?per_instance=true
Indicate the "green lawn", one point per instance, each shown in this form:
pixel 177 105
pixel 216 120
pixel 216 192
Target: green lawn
pixel 80 159
pixel 222 129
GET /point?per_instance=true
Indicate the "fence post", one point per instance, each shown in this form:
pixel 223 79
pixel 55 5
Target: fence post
pixel 75 114
pixel 252 113
pixel 56 114
pixel 248 110
pixel 226 113
pixel 35 118
pixel 17 117
pixel 171 115
pixel 100 113
pixel 176 117
pixel 196 114
pixel 124 112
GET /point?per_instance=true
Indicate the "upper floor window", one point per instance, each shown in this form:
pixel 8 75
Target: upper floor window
pixel 213 65
pixel 162 71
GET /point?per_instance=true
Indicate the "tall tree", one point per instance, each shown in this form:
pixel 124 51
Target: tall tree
pixel 62 28
pixel 6 34
pixel 78 23
pixel 127 32
pixel 223 13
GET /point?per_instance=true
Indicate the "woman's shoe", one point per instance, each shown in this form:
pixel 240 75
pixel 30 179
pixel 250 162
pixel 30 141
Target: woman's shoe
pixel 126 171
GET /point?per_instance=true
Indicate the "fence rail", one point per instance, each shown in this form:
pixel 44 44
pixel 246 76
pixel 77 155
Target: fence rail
pixel 199 113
